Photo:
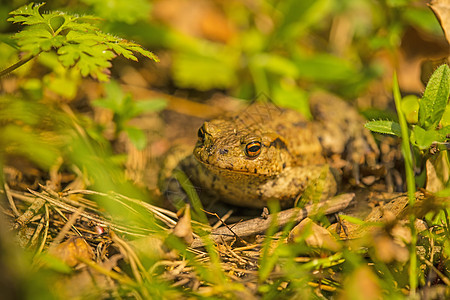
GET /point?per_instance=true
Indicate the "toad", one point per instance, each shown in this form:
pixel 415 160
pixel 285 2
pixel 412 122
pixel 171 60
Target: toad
pixel 266 152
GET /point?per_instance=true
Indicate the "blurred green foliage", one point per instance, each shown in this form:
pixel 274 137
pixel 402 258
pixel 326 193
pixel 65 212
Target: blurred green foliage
pixel 310 44
pixel 284 49
pixel 125 108
pixel 427 121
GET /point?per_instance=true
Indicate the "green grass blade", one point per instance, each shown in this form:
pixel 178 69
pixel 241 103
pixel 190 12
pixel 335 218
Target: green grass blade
pixel 411 186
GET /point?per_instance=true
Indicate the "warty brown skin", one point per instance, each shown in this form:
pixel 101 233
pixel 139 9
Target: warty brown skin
pixel 265 152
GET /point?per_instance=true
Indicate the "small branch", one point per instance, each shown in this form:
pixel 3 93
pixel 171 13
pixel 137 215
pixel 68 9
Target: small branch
pixel 258 225
pixel 16 65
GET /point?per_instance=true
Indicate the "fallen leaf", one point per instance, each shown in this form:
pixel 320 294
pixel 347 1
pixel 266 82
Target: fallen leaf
pixel 437 173
pixel 361 284
pixel 441 9
pixel 183 227
pixel 315 236
pixel 388 249
pixel 72 249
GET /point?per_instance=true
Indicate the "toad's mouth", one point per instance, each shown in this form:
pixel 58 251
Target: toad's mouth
pixel 230 170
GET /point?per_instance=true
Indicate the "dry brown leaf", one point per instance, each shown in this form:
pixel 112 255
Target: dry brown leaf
pixel 183 228
pixel 72 249
pixel 441 9
pixel 437 173
pixel 317 237
pixel 386 213
pixel 88 283
pixel 388 250
pixel 361 284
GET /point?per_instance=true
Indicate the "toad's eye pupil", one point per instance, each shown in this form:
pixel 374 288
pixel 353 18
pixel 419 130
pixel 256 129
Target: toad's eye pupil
pixel 253 149
pixel 201 134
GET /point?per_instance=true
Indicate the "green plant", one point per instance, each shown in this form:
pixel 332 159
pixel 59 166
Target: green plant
pixel 126 108
pixel 78 43
pixel 428 120
pixel 427 136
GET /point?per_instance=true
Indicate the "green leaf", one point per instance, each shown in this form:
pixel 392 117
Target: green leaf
pixel 78 43
pixel 114 98
pixel 424 138
pixel 299 15
pixel 410 107
pixel 121 10
pixel 325 67
pixel 137 137
pixel 277 64
pixel 445 120
pixel 28 10
pixel 204 71
pixel 290 95
pixel 435 98
pixel 150 105
pixel 386 127
pixel 443 133
pixel 56 22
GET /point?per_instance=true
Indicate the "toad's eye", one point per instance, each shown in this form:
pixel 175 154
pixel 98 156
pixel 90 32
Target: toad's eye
pixel 201 134
pixel 253 149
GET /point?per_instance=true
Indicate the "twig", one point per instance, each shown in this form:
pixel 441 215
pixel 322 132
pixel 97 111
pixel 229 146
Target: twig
pixel 230 228
pixel 11 201
pixel 222 219
pixel 439 273
pixel 37 232
pixel 47 225
pixel 16 65
pixel 258 225
pixel 100 221
pixel 66 227
pixel 25 218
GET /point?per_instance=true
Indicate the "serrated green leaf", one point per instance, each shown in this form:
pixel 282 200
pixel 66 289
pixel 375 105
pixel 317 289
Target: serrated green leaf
pixel 385 127
pixel 67 55
pixel 56 22
pixel 143 52
pixel 30 9
pixel 36 32
pixel 88 38
pixel 29 20
pixel 424 138
pixel 435 98
pixel 58 41
pixel 122 51
pixel 81 45
pixel 94 66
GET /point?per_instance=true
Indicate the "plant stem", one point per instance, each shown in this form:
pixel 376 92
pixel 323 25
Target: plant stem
pixel 411 188
pixel 16 65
